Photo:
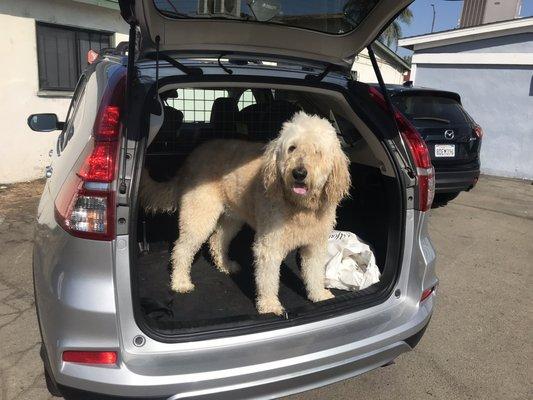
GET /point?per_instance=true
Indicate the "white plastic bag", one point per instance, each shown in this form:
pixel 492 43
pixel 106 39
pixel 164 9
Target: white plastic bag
pixel 351 264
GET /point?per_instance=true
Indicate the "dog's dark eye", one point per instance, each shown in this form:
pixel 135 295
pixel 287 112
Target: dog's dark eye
pixel 292 148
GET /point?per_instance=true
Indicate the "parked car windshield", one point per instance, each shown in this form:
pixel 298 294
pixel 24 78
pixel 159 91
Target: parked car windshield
pixel 430 110
pixel 334 17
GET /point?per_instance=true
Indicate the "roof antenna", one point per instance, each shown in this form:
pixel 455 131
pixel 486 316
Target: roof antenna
pixel 156 107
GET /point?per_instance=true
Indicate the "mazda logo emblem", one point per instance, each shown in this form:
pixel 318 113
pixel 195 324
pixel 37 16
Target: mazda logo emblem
pixel 449 134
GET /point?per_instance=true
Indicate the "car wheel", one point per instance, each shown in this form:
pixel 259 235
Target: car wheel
pixel 441 199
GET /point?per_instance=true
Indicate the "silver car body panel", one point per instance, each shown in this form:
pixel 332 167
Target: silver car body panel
pixel 84 300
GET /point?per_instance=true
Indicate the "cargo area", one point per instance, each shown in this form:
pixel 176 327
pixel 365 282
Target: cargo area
pixel 195 115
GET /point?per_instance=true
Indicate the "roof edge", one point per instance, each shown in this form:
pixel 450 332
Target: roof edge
pixel 491 29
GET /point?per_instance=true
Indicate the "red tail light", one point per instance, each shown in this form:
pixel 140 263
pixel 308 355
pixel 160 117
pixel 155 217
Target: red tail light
pixel 101 164
pixel 85 205
pixel 426 293
pixel 478 131
pixel 419 151
pixel 107 125
pixel 424 169
pixel 90 357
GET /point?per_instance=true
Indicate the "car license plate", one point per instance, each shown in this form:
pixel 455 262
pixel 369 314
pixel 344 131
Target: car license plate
pixel 444 150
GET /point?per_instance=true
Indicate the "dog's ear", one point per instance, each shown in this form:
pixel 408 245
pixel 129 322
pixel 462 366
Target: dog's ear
pixel 270 168
pixel 338 184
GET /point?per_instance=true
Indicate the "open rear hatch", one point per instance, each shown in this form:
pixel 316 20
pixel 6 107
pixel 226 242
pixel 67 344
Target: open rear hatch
pixel 324 32
pixel 330 32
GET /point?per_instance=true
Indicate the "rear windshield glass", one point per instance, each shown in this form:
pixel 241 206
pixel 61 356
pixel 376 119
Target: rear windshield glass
pixel 329 16
pixel 430 110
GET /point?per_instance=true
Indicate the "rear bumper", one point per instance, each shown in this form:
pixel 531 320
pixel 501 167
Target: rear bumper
pixel 259 365
pixel 264 381
pixel 447 181
pixel 289 384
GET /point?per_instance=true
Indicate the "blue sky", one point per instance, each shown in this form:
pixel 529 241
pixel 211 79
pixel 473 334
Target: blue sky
pixel 447 15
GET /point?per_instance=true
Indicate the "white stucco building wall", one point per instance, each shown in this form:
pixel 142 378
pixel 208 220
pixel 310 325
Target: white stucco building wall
pixel 24 153
pixel 392 72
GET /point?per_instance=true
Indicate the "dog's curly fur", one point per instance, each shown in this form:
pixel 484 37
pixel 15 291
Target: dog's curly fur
pixel 226 183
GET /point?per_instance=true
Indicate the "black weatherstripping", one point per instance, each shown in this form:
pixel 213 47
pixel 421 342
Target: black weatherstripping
pixel 394 251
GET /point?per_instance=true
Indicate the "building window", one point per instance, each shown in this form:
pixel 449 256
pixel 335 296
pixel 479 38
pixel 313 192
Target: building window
pixel 62 54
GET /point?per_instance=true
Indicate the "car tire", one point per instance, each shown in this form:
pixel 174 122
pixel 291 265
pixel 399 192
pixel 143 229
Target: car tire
pixel 441 199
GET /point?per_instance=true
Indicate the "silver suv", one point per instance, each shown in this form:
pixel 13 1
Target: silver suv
pixel 190 73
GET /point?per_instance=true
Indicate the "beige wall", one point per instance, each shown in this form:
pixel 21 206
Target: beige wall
pixel 24 153
pixel 501 10
pixel 365 72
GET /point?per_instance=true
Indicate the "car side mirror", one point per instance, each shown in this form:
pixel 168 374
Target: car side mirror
pixel 44 123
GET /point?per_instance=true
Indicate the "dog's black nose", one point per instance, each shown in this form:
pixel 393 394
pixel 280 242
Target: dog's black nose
pixel 299 173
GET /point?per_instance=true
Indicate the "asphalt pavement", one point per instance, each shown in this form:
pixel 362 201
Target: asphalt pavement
pixel 477 346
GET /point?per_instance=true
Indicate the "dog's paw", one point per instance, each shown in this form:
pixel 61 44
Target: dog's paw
pixel 266 306
pixel 181 286
pixel 231 267
pixel 321 296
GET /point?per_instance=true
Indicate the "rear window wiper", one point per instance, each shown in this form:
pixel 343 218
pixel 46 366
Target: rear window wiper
pixel 446 121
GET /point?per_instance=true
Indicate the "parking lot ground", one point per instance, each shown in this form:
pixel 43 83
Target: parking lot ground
pixel 478 345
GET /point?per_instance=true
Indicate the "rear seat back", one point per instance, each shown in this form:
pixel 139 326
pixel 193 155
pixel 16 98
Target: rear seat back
pixel 264 120
pixel 169 131
pixel 165 142
pixel 224 116
pixel 251 116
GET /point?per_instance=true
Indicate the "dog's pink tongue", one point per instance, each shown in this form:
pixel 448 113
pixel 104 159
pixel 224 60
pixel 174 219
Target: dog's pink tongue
pixel 300 190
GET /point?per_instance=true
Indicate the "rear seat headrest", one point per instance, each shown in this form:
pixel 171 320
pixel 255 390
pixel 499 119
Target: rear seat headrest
pixel 268 118
pixel 224 109
pixel 172 120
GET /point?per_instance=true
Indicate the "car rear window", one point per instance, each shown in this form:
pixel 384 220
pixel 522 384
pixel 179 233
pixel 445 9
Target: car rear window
pixel 430 110
pixel 334 17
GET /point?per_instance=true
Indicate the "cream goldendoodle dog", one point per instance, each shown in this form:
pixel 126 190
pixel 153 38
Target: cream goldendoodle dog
pixel 288 193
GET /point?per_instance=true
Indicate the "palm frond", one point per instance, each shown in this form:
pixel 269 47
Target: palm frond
pixel 406 16
pixel 393 32
pixel 391 35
